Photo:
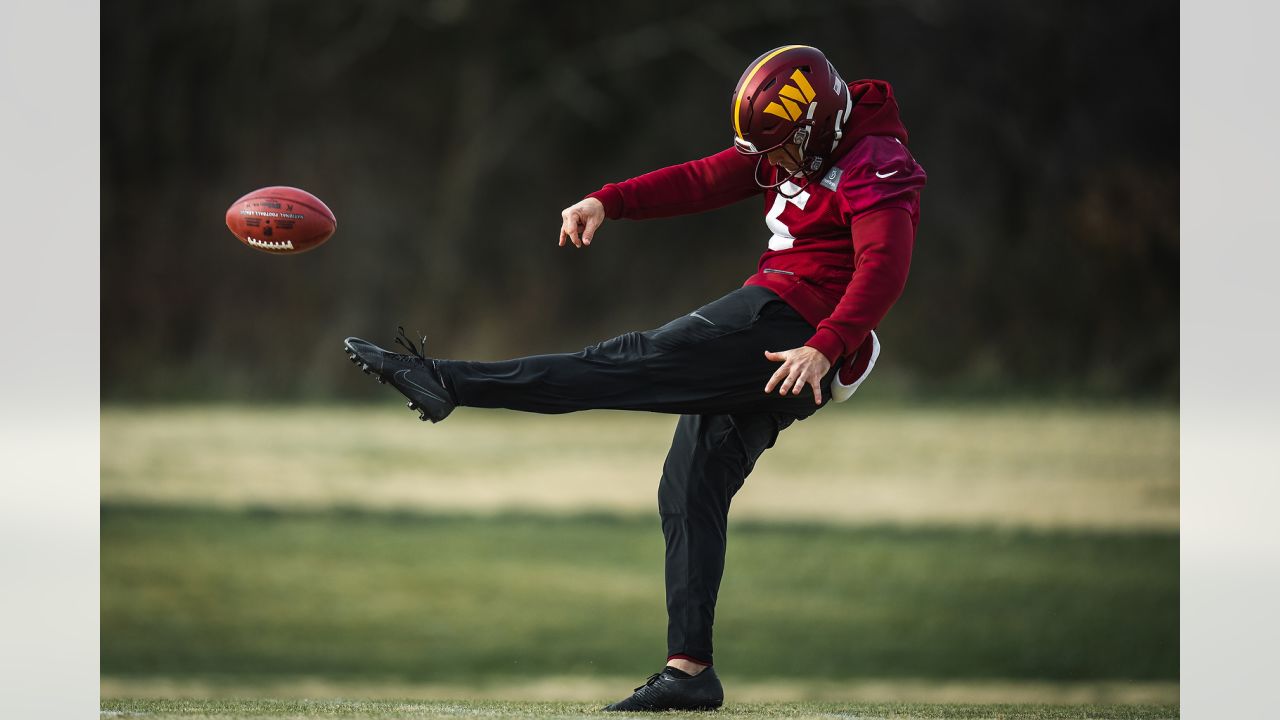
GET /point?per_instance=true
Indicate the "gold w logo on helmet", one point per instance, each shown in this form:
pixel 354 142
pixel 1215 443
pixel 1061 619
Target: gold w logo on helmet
pixel 792 97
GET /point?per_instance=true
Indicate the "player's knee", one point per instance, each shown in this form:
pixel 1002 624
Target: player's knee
pixel 625 347
pixel 673 496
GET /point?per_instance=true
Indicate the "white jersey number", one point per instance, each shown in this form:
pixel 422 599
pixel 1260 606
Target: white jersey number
pixel 782 237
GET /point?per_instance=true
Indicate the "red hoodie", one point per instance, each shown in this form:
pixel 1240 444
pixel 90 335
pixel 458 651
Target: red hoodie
pixel 839 250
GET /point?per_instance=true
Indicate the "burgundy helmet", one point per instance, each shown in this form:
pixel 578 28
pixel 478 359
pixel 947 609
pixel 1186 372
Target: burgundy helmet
pixel 792 98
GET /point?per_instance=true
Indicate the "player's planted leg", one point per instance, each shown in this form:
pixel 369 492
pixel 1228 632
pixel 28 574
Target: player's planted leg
pixel 710 459
pixel 674 689
pixel 413 374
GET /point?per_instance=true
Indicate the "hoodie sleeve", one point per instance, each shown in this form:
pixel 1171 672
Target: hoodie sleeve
pixel 882 244
pixel 880 199
pixel 691 187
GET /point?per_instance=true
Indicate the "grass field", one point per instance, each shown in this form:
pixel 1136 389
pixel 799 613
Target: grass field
pixel 1011 465
pixel 988 554
pixel 246 709
pixel 261 594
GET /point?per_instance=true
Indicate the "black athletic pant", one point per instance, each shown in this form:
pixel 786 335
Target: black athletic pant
pixel 707 366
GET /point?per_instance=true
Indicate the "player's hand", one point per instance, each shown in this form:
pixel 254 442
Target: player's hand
pixel 801 366
pixel 579 221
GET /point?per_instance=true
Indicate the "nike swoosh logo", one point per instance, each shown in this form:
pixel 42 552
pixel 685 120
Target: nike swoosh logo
pixel 403 376
pixel 701 318
pixel 895 172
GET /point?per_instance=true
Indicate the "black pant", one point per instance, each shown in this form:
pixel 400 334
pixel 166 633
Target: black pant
pixel 707 366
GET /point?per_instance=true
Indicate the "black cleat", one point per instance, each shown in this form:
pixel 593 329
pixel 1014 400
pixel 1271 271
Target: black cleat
pixel 674 689
pixel 414 375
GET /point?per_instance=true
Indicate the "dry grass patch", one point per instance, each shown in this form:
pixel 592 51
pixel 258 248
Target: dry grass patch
pixel 1028 465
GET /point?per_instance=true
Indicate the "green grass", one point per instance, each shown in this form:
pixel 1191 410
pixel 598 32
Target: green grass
pixel 261 594
pixel 1021 552
pixel 244 709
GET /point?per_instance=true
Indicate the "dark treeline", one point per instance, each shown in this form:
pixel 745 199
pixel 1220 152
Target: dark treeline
pixel 447 136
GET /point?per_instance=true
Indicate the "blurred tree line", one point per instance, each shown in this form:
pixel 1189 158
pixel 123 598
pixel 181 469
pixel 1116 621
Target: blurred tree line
pixel 447 135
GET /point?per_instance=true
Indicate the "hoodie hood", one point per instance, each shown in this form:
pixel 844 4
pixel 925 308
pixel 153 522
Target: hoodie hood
pixel 875 112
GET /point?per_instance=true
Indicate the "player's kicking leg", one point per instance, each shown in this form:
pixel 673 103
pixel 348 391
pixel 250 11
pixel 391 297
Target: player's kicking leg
pixel 709 361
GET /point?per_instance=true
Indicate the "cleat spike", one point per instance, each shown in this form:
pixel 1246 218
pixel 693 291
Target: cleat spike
pixel 410 405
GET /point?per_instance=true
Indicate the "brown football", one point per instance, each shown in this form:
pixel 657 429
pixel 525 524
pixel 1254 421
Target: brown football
pixel 281 220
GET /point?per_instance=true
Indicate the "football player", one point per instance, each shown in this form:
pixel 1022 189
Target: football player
pixel 841 198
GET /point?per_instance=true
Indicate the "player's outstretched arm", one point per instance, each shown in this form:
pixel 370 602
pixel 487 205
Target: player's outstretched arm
pixel 579 221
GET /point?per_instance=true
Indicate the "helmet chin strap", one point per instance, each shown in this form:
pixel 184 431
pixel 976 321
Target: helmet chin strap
pixel 791 175
pixel 799 188
pixel 804 166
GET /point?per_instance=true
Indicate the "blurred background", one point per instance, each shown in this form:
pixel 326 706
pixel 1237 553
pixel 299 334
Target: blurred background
pixel 996 512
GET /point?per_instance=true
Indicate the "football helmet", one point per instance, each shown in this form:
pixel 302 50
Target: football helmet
pixel 790 98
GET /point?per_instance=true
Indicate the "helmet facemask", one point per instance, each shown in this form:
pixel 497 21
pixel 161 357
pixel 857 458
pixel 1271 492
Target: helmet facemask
pixel 796 147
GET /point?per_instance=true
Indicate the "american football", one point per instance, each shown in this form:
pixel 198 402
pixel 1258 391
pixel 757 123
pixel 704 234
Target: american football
pixel 281 220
